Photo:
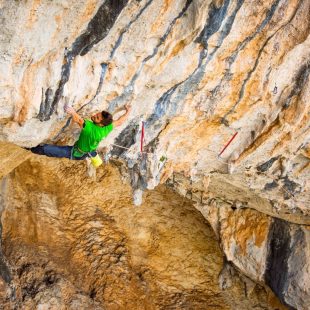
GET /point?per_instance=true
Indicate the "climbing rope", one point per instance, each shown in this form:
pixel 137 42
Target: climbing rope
pixel 218 158
pixel 227 144
pixel 126 148
pixel 142 137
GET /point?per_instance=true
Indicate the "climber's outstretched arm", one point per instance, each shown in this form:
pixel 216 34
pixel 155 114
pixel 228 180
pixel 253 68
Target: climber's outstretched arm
pixel 122 119
pixel 75 117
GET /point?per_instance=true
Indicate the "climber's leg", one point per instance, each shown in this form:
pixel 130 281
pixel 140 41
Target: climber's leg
pixel 53 150
pixel 59 151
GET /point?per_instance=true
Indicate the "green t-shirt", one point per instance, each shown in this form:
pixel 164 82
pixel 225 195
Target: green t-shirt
pixel 90 137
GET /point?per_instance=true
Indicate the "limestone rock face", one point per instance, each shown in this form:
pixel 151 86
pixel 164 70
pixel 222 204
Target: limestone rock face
pixel 193 71
pixel 266 249
pixel 197 72
pixel 71 244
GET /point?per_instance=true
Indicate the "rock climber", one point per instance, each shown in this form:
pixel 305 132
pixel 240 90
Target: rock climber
pixel 93 131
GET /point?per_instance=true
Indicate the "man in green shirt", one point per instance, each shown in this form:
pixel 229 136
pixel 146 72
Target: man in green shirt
pixel 93 131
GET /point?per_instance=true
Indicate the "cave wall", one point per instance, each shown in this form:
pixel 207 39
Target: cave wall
pixel 196 72
pixel 73 242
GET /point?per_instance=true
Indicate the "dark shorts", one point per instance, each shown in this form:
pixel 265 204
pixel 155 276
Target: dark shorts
pixel 60 151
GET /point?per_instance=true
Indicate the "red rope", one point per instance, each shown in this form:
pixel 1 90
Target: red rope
pixel 225 147
pixel 142 138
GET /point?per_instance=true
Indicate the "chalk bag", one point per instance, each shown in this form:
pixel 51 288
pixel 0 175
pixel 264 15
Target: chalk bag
pixel 96 161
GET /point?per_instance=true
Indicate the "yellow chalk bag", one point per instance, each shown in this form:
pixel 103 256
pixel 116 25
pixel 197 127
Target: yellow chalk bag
pixel 96 161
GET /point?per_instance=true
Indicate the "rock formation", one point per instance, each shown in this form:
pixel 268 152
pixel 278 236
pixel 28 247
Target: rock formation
pixel 72 243
pixel 196 73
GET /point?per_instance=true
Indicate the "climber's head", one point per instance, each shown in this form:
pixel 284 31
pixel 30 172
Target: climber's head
pixel 103 118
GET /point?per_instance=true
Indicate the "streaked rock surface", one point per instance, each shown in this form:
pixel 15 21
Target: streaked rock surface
pixel 196 72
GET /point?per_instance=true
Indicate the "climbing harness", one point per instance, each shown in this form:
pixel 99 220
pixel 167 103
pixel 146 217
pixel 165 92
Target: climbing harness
pixel 96 160
pixel 82 152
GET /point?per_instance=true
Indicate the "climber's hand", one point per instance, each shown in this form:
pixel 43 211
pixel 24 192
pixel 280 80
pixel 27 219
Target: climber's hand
pixel 69 110
pixel 123 118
